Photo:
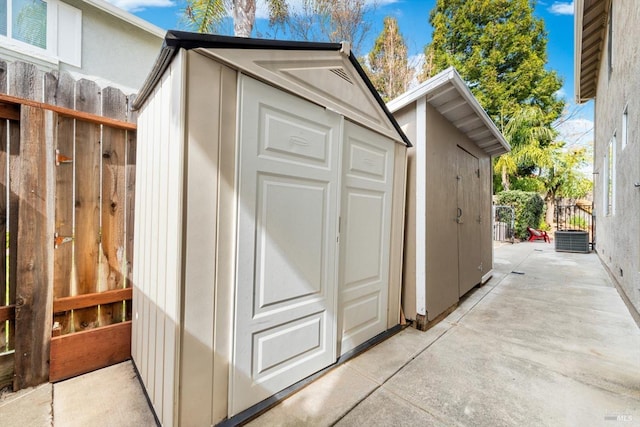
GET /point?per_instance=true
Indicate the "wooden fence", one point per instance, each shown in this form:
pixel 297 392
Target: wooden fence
pixel 67 172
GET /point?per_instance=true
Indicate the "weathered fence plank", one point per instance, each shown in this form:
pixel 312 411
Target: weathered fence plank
pixel 3 76
pixel 34 293
pixel 114 105
pixel 4 184
pixel 25 81
pixel 130 201
pixel 59 90
pixel 87 202
pixel 14 212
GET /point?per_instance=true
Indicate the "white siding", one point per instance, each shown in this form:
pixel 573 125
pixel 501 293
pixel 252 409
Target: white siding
pixel 157 248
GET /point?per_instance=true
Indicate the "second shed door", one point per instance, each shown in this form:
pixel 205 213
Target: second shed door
pixel 285 313
pixel 367 183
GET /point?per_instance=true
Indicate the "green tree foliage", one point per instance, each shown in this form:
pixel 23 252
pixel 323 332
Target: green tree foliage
pixel 205 16
pixel 499 48
pixel 564 178
pixel 528 207
pixel 388 62
pixel 530 138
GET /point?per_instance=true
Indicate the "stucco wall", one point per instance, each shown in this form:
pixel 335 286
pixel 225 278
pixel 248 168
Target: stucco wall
pixel 113 49
pixel 618 234
pixel 114 52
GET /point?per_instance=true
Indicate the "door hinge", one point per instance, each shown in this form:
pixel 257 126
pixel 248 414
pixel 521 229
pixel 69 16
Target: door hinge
pixel 61 158
pixel 59 240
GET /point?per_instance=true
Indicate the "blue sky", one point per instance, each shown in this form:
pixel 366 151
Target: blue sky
pixel 413 21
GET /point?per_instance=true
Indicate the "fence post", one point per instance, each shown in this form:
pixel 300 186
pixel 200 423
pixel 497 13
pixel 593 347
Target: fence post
pixel 34 293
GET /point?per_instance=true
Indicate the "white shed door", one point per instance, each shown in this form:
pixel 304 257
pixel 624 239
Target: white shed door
pixel 285 322
pixel 367 184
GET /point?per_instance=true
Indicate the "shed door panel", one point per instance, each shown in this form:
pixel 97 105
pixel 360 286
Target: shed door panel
pixel 469 229
pixel 367 185
pixel 285 326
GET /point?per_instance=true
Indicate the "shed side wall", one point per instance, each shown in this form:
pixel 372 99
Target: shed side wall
pixel 406 118
pixel 157 254
pixel 441 228
pixel 211 94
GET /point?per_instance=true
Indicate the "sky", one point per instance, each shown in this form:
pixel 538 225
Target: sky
pixel 576 128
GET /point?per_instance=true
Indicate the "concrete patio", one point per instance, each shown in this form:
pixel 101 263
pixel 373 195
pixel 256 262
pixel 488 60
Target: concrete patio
pixel 547 341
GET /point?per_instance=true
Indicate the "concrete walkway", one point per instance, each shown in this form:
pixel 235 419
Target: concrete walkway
pixel 547 341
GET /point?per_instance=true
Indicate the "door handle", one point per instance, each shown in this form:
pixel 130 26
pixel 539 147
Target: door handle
pixel 459 216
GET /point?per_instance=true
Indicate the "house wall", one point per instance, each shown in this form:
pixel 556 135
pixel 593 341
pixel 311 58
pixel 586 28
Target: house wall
pixel 618 234
pixel 157 250
pixel 114 52
pixel 113 49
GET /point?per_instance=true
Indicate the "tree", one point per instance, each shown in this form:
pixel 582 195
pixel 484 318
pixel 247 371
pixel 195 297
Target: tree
pixel 331 21
pixel 564 178
pixel 205 16
pixel 388 65
pixel 499 48
pixel 530 138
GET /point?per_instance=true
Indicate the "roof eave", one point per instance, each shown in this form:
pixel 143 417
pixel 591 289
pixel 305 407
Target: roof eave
pixel 589 39
pixel 451 76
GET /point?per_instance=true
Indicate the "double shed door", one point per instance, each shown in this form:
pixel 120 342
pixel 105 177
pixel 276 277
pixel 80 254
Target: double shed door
pixel 469 222
pixel 314 215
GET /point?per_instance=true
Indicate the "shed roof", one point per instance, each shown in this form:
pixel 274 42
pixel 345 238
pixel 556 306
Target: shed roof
pixel 448 93
pixel 590 32
pixel 327 74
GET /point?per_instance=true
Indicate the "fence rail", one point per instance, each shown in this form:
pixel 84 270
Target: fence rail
pixel 67 182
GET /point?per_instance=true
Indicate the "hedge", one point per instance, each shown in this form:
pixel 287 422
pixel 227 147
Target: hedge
pixel 528 207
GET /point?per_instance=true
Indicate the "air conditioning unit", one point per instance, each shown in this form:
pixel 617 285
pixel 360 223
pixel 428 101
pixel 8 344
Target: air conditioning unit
pixel 572 241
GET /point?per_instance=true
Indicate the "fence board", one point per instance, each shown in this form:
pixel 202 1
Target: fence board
pixel 25 81
pixel 114 105
pixel 34 291
pixel 87 204
pixel 59 90
pixel 15 163
pixel 85 351
pixel 6 370
pixel 3 76
pixel 130 202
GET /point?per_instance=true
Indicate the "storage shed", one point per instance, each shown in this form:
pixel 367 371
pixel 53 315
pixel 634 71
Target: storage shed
pixel 448 240
pixel 269 220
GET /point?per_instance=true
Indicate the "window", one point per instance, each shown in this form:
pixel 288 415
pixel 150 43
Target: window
pixel 25 21
pixel 624 130
pixel 48 29
pixel 610 176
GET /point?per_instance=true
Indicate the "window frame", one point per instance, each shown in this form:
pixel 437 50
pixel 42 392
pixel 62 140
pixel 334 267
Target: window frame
pixel 47 54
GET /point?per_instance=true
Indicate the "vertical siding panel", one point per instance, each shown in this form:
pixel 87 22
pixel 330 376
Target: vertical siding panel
pixel 135 270
pixel 174 242
pixel 197 357
pixel 87 203
pixel 164 169
pixel 226 244
pixel 147 237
